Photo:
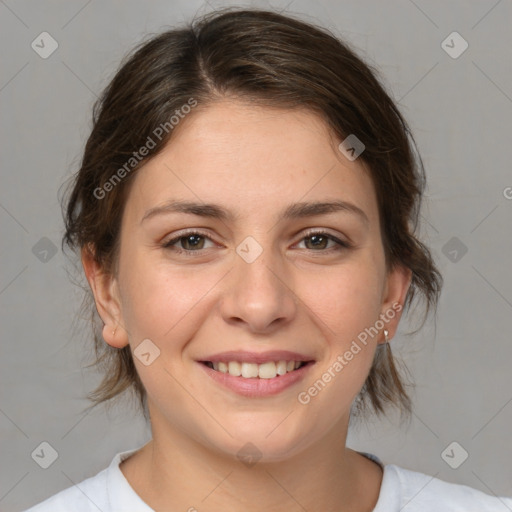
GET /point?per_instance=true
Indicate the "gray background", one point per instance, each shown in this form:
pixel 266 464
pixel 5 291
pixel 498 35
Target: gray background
pixel 460 111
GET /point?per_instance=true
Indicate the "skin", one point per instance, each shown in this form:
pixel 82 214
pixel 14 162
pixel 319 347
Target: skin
pixel 296 296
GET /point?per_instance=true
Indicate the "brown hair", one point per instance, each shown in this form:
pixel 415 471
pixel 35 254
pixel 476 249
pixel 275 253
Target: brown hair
pixel 275 61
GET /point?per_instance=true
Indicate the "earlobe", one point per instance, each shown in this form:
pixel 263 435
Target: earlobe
pixel 106 297
pixel 115 337
pixel 397 286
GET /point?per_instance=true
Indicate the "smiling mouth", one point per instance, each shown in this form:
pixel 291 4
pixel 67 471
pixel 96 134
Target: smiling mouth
pixel 268 370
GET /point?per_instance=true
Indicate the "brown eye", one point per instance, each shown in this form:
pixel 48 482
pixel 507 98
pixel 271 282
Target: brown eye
pixel 319 241
pixel 190 242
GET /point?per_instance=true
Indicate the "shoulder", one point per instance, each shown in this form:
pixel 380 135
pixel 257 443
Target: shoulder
pixel 419 492
pixel 88 495
pixel 99 492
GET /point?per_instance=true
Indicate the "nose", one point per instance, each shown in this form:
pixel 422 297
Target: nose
pixel 259 295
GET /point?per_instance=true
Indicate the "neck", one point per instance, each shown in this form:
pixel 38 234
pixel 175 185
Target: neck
pixel 173 472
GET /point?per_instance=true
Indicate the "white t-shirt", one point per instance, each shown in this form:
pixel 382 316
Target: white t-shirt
pixel 401 490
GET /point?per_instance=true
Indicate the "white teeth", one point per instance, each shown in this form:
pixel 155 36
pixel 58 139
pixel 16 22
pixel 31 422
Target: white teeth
pixel 234 368
pixel 267 370
pixel 249 370
pixel 281 367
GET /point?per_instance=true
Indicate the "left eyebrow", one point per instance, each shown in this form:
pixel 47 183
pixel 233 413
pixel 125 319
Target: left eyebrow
pixel 300 210
pixel 292 211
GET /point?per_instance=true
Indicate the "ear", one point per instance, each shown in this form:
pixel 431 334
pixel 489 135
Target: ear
pixel 396 287
pixel 105 289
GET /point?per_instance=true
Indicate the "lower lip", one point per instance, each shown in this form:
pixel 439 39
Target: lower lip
pixel 256 387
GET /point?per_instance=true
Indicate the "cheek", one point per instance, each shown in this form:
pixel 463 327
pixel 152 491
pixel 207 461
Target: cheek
pixel 167 306
pixel 161 302
pixel 347 299
pixel 347 303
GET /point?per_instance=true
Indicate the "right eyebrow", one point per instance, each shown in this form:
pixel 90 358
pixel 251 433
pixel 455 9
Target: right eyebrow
pixel 201 209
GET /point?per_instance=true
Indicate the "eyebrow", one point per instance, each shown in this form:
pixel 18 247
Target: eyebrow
pixel 292 211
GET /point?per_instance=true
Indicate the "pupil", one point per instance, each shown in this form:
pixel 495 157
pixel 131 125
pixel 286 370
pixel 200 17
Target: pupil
pixel 317 240
pixel 189 240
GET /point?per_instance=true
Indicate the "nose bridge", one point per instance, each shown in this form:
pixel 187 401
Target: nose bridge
pixel 258 293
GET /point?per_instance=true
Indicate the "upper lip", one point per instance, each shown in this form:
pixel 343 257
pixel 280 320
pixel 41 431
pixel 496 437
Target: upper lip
pixel 256 357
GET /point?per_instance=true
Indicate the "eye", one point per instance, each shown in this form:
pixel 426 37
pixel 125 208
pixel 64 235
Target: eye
pixel 319 241
pixel 193 241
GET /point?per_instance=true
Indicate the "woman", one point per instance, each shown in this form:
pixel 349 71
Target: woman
pixel 245 212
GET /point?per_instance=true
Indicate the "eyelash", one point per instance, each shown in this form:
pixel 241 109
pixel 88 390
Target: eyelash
pixel 342 245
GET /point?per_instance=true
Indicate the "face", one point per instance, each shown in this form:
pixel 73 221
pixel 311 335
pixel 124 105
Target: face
pixel 272 266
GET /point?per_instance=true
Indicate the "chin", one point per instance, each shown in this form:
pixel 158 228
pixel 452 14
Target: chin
pixel 254 441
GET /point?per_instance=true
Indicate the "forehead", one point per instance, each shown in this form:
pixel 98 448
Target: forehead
pixel 252 160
